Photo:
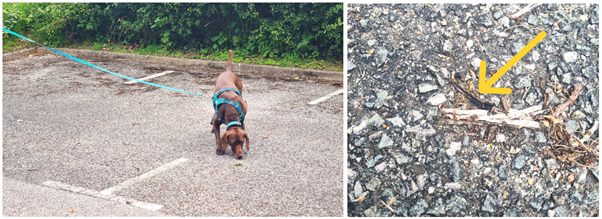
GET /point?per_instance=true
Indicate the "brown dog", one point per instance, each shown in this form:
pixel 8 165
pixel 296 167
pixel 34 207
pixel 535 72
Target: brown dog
pixel 227 113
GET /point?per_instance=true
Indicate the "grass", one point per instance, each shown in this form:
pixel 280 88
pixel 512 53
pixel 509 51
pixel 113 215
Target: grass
pixel 13 44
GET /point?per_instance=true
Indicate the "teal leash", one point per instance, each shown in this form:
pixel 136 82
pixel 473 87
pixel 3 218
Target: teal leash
pixel 99 68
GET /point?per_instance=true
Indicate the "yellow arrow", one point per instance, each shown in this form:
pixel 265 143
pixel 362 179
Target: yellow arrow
pixel 485 86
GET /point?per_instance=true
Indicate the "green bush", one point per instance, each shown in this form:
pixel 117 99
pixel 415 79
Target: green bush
pixel 270 30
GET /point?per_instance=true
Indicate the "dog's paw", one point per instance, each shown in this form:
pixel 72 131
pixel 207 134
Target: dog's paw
pixel 219 152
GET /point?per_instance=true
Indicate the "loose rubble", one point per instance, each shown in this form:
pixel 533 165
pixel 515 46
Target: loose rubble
pixel 405 58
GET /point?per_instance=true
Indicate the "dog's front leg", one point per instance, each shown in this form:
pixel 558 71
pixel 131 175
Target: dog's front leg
pixel 218 140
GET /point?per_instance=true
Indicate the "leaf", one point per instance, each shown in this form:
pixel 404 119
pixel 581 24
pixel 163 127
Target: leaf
pixel 74 210
pixel 392 200
pixel 360 199
pixel 214 38
pixel 296 78
pixel 238 164
pixel 571 178
pixel 19 120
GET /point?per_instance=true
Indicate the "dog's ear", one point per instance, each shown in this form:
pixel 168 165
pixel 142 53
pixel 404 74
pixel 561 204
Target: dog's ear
pixel 247 137
pixel 225 140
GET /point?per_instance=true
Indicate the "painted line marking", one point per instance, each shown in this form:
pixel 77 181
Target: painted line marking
pixel 119 199
pixel 149 77
pixel 327 96
pixel 108 193
pixel 149 174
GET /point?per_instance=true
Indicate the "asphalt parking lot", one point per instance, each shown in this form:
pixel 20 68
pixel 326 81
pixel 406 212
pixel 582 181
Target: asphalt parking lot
pixel 79 131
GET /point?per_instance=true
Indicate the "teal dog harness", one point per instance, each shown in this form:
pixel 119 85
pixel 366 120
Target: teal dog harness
pixel 217 102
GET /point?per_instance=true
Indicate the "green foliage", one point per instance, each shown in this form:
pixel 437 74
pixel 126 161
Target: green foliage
pixel 289 32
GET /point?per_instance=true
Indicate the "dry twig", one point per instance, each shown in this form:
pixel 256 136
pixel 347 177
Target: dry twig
pixel 560 108
pixel 526 9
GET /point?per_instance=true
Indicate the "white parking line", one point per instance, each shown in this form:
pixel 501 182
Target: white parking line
pixel 327 96
pixel 119 199
pixel 143 176
pixel 149 77
pixel 108 193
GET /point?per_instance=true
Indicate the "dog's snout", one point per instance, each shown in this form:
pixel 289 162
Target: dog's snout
pixel 239 156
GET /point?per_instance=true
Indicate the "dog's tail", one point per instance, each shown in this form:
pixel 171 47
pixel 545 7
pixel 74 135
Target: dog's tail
pixel 229 68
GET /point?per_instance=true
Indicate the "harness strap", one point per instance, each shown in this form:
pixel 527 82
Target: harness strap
pixel 217 102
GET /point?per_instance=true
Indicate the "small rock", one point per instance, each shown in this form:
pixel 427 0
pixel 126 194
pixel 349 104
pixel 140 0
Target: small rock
pixel 351 66
pixel 540 137
pixel 502 172
pixel 421 181
pixel 523 82
pixel 589 71
pixel 380 167
pixel 397 121
pixel 381 97
pixel 476 63
pixel 532 20
pixel 469 43
pixel 560 211
pixel 418 208
pixel 402 157
pixel 357 189
pixel 373 161
pixel 372 42
pixel 531 98
pixel 453 186
pixel 376 120
pixel 373 184
pixel 360 142
pixel 375 135
pixel 535 56
pixel 566 78
pixel 438 209
pixel 490 204
pixel 505 21
pixel 437 99
pixel 570 56
pixel 475 161
pixel 431 190
pixel 536 203
pixel 381 56
pixel 551 163
pixel 456 204
pixel 371 212
pixel 500 138
pixel 575 197
pixel 455 169
pixel 463 33
pixel 385 142
pixel 519 162
pixel 423 88
pixel 453 147
pixel 351 174
pixel 448 46
pixel 591 196
pixel 572 125
pixel 465 140
pixel 363 23
pixel 415 115
pixel 578 114
pixel 513 212
pixel 498 14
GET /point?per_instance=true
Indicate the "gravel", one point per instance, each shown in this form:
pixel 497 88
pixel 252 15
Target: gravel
pixel 442 169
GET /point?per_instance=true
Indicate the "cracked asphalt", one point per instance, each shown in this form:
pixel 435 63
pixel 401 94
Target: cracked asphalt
pixel 66 122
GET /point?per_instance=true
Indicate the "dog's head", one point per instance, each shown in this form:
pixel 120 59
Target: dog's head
pixel 235 137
